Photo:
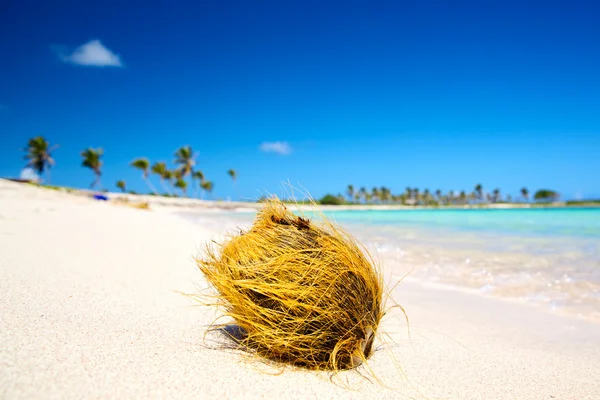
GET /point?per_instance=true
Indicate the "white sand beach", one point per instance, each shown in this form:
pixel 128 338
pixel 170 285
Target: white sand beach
pixel 89 309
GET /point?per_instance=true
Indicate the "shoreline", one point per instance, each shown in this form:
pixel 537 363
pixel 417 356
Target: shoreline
pixel 566 308
pixel 87 305
pixel 195 204
pixel 191 203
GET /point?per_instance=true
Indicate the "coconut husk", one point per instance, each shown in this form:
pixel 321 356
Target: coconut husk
pixel 301 293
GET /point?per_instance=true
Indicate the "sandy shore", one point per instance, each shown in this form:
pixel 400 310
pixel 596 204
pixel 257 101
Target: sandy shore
pixel 88 309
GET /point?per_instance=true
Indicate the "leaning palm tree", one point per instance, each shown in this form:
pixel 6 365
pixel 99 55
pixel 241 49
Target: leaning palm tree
pixel 143 164
pixel 39 155
pixel 92 160
pixel 185 158
pixel 233 174
pixel 181 184
pixel 121 185
pixel 199 176
pixel 168 176
pixel 207 186
pixel 160 169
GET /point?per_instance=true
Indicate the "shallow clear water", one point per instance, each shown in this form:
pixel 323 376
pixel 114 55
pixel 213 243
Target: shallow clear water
pixel 545 257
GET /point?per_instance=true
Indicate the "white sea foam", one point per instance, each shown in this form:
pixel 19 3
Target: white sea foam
pixel 537 258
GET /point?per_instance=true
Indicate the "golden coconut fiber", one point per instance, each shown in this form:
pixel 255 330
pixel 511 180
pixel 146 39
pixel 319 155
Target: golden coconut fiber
pixel 301 293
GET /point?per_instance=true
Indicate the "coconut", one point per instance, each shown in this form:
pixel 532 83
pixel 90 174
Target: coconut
pixel 300 293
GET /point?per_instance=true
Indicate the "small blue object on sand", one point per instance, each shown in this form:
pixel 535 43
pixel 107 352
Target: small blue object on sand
pixel 100 197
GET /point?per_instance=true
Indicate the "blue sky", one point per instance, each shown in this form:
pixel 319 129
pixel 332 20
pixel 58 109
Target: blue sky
pixel 432 94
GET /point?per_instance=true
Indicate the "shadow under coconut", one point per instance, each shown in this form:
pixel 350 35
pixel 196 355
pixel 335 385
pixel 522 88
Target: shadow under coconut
pixel 234 333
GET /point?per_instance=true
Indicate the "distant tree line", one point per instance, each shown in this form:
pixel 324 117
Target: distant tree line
pixel 414 196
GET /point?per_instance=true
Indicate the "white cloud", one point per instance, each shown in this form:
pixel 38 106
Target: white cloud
pixel 94 54
pixel 29 174
pixel 282 148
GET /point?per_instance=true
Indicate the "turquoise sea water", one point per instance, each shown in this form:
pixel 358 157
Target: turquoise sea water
pixel 580 222
pixel 549 258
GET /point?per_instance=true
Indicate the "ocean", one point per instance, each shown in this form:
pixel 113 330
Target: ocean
pixel 547 258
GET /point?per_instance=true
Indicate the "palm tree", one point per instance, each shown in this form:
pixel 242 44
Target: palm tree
pixel 160 169
pixel 375 194
pixel 168 177
pixel 525 194
pixel 185 158
pixel 233 176
pixel 462 197
pixel 385 193
pixel 199 175
pixel 207 186
pixel 472 196
pixel 417 196
pixel 438 195
pixel 39 155
pixel 426 196
pixel 350 192
pixel 479 191
pixel 143 164
pixel 363 193
pixel 496 196
pixel 181 184
pixel 92 160
pixel 121 185
pixel 451 197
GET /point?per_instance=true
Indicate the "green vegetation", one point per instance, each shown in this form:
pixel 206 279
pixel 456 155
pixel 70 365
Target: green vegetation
pixel 160 169
pixel 144 165
pixel 92 160
pixel 478 197
pixel 181 184
pixel 121 186
pixel 207 186
pixel 233 175
pixel 39 159
pixel 545 195
pixel 331 200
pixel 39 156
pixel 583 203
pixel 199 176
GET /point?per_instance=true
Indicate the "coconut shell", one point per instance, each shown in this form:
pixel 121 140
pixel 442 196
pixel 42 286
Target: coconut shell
pixel 301 293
